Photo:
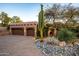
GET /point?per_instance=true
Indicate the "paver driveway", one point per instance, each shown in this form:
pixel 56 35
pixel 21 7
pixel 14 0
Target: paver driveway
pixel 12 45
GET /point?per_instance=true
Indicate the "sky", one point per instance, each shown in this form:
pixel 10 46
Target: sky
pixel 26 11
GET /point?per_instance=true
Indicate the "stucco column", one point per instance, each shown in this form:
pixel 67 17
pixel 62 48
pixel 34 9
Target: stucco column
pixel 35 31
pixel 24 31
pixel 49 32
pixel 10 31
pixel 55 31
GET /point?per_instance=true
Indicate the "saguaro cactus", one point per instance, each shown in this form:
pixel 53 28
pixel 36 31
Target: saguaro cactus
pixel 41 22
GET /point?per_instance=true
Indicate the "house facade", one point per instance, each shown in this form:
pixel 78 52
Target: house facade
pixel 24 28
pixel 28 29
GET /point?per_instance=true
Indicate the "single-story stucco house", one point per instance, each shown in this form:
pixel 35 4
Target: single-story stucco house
pixel 24 28
pixel 29 28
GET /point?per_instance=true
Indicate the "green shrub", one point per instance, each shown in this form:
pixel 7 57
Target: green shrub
pixel 66 35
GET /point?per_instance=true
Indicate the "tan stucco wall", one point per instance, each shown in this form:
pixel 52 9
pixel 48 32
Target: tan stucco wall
pixel 24 25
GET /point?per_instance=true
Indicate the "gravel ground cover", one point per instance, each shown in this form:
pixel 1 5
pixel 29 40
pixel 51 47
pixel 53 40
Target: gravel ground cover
pixel 55 50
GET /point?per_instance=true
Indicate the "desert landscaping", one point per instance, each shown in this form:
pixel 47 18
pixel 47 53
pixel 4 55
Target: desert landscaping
pixel 55 33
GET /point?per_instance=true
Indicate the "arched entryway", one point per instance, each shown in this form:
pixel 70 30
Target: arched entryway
pixel 52 31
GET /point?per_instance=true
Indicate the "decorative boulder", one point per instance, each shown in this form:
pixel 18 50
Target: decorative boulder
pixel 53 40
pixel 62 44
pixel 76 43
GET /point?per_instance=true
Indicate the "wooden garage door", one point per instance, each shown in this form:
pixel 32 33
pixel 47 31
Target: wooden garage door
pixel 17 31
pixel 30 32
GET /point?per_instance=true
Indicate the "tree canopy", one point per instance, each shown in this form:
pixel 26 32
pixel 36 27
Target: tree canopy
pixel 69 14
pixel 16 19
pixel 6 20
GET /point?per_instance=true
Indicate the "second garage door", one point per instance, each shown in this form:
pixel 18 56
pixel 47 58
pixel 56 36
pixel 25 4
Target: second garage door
pixel 30 32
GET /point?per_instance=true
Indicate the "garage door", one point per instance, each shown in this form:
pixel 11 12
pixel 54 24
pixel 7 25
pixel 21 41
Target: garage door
pixel 17 31
pixel 30 32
